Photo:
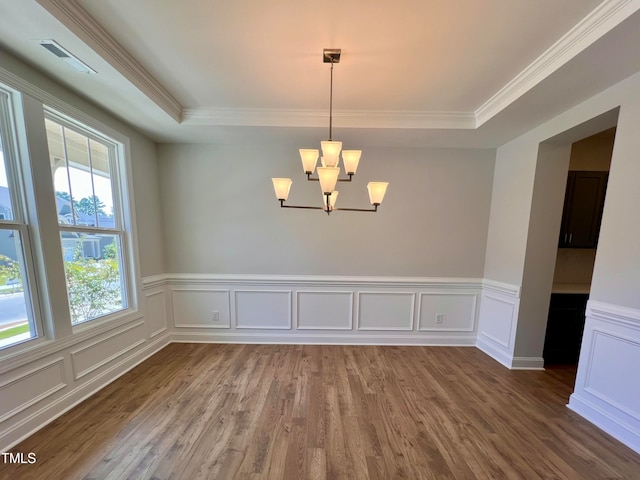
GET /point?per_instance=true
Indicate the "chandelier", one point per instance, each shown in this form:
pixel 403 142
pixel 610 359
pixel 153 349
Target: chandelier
pixel 329 172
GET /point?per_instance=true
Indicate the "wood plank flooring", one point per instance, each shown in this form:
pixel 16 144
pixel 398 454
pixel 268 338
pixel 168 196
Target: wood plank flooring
pixel 198 411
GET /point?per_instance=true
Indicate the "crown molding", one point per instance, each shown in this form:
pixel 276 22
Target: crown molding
pixel 319 118
pixel 597 23
pixel 76 19
pixel 601 20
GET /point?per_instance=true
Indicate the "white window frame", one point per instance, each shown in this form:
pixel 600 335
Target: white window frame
pixel 13 162
pixel 122 208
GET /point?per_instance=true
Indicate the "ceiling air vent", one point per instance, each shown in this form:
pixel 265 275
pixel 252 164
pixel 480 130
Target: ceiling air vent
pixel 60 52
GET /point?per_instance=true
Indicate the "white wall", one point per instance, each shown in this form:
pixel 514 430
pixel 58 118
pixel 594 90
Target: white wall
pixel 221 215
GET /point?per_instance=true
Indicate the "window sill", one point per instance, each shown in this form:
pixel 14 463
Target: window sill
pixel 32 350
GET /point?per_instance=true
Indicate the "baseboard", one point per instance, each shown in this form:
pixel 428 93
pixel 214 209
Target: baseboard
pixel 605 421
pixel 493 352
pixel 322 339
pixel 527 363
pixel 41 418
pixel 512 363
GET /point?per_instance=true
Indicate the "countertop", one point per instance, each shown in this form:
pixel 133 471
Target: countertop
pixel 571 288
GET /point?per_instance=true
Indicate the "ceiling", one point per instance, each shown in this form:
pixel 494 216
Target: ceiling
pixel 412 73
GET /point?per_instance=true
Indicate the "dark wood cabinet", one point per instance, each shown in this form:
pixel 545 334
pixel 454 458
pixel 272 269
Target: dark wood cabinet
pixel 564 328
pixel 582 214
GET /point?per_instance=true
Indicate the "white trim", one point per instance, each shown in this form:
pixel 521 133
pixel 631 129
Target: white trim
pixel 75 18
pixel 474 312
pixel 318 280
pixel 527 363
pixel 48 413
pixel 596 24
pixel 77 375
pixel 154 281
pixel 605 17
pixel 289 325
pixel 597 332
pixel 23 376
pixel 200 325
pixel 605 421
pixel 264 117
pixel 598 404
pixel 495 353
pixel 359 328
pixel 323 339
pixel 147 296
pixel 506 289
pixel 320 292
pixel 626 317
pixel 50 347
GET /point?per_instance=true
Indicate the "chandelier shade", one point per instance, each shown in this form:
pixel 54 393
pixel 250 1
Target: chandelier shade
pixel 309 159
pixel 328 178
pixel 329 172
pixel 350 160
pixel 331 153
pixel 282 187
pixel 377 191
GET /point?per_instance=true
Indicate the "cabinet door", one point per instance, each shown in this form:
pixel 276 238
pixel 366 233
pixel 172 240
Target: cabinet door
pixel 583 209
pixel 564 328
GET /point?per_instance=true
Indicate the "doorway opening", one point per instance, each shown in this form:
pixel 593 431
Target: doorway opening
pixel 587 177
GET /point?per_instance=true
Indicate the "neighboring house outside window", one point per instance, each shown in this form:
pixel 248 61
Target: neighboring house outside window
pixel 17 319
pixel 94 263
pixel 85 168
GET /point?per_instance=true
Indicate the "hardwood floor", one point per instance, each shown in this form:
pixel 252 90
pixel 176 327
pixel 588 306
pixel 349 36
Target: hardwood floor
pixel 198 411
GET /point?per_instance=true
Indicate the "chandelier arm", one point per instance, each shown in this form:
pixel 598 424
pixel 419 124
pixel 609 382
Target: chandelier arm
pixel 307 207
pixel 299 206
pixel 312 179
pixel 374 209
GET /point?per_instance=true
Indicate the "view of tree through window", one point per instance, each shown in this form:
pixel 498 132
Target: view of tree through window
pixel 16 322
pixel 91 231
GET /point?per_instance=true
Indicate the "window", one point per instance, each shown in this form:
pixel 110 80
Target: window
pixel 17 322
pixel 85 166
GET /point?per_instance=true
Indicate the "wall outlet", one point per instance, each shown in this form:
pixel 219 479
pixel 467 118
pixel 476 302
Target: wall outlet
pixel 215 316
pixel 439 318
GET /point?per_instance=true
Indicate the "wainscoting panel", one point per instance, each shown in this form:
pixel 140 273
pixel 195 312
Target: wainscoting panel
pixel 457 312
pixel 332 309
pixel 497 321
pixel 386 310
pixel 324 310
pixel 194 307
pixel 263 309
pixel 92 355
pixel 42 383
pixel 156 312
pixel 27 386
pixel 607 391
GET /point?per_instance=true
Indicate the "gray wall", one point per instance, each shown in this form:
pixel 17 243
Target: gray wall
pixel 616 275
pixel 221 215
pixel 510 209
